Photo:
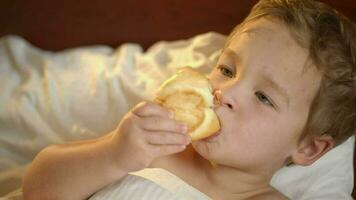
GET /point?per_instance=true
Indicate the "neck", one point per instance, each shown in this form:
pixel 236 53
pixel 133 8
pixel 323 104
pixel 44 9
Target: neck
pixel 232 183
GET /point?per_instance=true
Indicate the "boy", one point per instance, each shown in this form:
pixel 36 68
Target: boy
pixel 284 90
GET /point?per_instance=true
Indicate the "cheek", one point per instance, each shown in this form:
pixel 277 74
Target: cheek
pixel 261 133
pixel 254 119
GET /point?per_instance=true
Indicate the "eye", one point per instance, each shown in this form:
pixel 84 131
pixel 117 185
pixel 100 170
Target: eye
pixel 264 99
pixel 226 71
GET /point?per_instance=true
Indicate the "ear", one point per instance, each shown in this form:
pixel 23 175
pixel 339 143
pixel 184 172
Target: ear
pixel 312 149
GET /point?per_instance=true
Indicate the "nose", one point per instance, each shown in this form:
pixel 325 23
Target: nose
pixel 222 99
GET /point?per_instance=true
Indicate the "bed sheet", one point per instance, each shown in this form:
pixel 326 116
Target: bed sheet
pixel 54 97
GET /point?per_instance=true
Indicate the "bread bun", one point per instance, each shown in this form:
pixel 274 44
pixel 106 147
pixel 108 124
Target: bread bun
pixel 188 94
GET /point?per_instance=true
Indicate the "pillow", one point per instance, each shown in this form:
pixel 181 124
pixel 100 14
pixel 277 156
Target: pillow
pixel 55 97
pixel 331 177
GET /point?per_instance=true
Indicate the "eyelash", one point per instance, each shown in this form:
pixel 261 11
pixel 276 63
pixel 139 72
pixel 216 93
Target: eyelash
pixel 225 71
pixel 264 99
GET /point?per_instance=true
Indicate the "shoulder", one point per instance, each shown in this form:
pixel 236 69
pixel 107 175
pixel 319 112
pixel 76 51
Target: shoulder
pixel 170 162
pixel 270 195
pixel 181 165
pixel 174 161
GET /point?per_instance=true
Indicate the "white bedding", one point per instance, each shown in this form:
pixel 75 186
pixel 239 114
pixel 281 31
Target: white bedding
pixel 153 184
pixel 48 97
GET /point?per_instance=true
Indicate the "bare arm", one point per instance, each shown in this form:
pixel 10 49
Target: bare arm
pixel 78 170
pixel 71 171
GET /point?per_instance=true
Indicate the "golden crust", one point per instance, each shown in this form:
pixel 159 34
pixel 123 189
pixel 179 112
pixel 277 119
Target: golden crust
pixel 188 94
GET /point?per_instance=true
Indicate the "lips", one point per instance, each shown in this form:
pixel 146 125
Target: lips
pixel 212 136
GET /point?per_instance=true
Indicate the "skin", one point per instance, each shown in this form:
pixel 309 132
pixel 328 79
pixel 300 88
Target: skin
pixel 260 129
pixel 261 123
pixel 267 123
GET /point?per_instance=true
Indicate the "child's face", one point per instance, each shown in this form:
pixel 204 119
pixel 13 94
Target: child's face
pixel 263 92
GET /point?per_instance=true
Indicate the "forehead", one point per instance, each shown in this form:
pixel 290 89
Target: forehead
pixel 269 41
pixel 266 47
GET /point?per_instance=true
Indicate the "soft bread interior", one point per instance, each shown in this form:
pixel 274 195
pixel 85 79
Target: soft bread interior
pixel 189 95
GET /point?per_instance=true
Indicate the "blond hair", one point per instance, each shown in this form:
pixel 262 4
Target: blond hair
pixel 331 40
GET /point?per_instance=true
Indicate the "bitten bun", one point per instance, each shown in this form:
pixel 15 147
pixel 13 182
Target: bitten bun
pixel 188 94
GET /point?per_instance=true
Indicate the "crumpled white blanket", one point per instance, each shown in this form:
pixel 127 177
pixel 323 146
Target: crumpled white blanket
pixel 54 97
pixel 150 184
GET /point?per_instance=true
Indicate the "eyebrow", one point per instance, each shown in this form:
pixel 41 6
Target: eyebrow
pixel 273 84
pixel 256 30
pixel 232 54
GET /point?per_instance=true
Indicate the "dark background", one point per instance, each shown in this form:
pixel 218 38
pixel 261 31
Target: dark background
pixel 56 25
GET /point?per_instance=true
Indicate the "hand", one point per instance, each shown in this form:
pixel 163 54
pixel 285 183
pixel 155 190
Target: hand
pixel 147 132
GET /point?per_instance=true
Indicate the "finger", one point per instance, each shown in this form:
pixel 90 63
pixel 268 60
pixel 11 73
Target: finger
pixel 146 108
pixel 160 138
pixel 163 124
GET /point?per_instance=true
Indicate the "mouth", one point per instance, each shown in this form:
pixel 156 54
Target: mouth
pixel 214 135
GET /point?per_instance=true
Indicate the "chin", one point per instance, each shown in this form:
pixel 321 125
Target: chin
pixel 208 147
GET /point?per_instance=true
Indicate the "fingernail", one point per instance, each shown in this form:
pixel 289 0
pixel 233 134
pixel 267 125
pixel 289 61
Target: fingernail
pixel 171 114
pixel 183 128
pixel 188 140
